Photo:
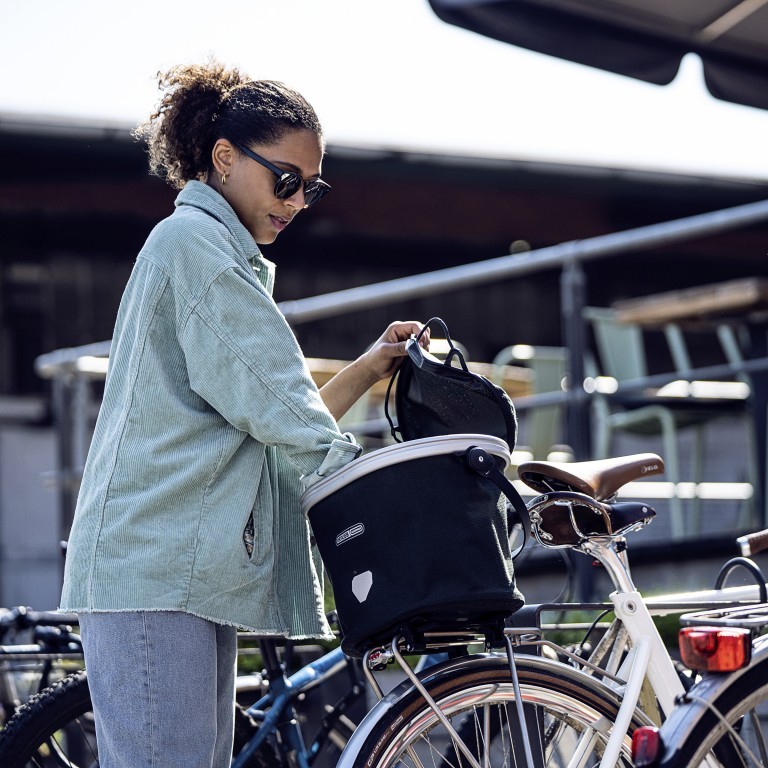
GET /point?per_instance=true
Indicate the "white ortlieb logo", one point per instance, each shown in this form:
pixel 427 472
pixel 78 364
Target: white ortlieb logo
pixel 361 585
pixel 350 533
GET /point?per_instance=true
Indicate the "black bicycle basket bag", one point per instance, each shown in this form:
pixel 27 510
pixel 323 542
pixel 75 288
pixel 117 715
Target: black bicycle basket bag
pixel 434 397
pixel 415 542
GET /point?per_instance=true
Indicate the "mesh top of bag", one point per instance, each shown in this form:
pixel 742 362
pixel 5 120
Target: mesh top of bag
pixel 433 398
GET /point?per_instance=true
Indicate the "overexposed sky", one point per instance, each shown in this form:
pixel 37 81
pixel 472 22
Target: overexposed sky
pixel 380 74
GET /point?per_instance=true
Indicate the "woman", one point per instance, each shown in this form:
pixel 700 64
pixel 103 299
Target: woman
pixel 188 522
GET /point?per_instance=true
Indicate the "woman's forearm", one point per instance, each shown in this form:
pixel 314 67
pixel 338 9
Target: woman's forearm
pixel 347 387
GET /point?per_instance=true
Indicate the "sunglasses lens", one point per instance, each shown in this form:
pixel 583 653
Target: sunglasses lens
pixel 314 190
pixel 287 185
pixel 290 183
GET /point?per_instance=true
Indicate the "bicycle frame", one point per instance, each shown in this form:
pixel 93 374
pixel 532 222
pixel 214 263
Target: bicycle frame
pixel 51 645
pixel 648 654
pixel 647 657
pixel 271 709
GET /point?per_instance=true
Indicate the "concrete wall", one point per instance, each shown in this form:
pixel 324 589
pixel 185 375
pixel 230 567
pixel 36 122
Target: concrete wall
pixel 30 558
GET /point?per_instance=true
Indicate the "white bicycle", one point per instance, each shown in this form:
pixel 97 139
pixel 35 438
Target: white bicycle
pixel 524 708
pixel 539 704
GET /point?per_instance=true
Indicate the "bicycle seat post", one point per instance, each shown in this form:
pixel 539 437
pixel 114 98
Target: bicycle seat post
pixel 270 659
pixel 609 551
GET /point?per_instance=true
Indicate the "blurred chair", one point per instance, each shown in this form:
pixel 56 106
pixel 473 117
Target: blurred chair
pixel 664 411
pixel 541 427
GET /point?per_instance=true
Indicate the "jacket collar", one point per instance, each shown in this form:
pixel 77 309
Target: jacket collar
pixel 206 198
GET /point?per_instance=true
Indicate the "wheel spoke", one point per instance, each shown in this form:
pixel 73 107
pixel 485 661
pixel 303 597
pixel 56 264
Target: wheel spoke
pixel 70 747
pixel 754 721
pixel 725 720
pixel 564 731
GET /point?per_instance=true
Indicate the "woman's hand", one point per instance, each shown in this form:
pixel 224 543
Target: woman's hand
pixel 377 362
pixel 383 356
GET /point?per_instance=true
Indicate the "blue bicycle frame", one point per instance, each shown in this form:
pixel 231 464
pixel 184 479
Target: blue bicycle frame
pixel 270 710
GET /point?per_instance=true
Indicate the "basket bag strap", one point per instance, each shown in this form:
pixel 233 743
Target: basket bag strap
pixel 393 428
pixel 484 464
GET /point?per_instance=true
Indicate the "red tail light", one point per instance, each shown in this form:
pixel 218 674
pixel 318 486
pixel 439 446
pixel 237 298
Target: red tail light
pixel 646 746
pixel 715 649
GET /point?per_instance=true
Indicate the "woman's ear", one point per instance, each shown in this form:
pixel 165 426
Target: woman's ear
pixel 223 157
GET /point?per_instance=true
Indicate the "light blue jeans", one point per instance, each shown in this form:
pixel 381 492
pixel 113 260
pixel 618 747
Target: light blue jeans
pixel 163 689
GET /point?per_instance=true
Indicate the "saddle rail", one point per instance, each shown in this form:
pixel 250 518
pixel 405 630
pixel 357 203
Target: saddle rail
pixel 568 518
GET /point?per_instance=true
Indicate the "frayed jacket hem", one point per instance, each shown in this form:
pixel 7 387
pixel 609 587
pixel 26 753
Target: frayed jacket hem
pixel 258 630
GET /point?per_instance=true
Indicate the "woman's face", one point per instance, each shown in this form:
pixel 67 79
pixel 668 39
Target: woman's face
pixel 250 187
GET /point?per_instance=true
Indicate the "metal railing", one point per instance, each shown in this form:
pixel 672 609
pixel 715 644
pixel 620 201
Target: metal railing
pixel 65 366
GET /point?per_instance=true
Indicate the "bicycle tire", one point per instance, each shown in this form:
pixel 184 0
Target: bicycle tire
pixel 565 709
pixel 55 729
pixel 705 734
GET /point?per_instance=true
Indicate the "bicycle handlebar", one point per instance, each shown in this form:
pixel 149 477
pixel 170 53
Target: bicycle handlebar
pixel 22 617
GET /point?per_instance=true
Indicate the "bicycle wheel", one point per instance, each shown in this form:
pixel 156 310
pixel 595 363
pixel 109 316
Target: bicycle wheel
pixel 568 718
pixel 55 729
pixel 736 734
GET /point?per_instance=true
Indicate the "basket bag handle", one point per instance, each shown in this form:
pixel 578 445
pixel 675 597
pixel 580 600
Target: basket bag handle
pixel 453 351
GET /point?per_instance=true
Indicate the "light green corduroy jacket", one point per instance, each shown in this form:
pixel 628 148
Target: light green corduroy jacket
pixel 209 418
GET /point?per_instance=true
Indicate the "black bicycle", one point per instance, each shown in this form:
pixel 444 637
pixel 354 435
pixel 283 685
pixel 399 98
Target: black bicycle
pixel 302 718
pixel 36 648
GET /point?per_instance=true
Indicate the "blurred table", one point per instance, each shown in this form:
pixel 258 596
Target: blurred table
pixel 737 299
pixel 745 301
pixel 515 380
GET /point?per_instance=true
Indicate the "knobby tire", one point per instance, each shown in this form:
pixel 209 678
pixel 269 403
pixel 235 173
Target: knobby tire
pixel 55 729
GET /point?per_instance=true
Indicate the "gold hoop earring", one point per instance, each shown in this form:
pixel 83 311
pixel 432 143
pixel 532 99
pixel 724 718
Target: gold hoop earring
pixel 223 178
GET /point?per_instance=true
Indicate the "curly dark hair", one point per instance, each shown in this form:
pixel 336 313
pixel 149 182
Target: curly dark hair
pixel 204 103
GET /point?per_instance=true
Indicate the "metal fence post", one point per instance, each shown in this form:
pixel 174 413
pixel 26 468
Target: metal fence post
pixel 573 287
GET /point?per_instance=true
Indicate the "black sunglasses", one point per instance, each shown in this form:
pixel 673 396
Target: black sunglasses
pixel 288 183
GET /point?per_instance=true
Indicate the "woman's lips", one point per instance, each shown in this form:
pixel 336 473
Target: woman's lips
pixel 278 223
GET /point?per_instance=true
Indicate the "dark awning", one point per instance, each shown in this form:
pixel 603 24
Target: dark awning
pixel 644 39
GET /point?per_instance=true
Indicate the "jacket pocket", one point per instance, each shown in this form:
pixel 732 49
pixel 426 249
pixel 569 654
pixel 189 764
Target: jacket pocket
pixel 248 534
pixel 257 535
